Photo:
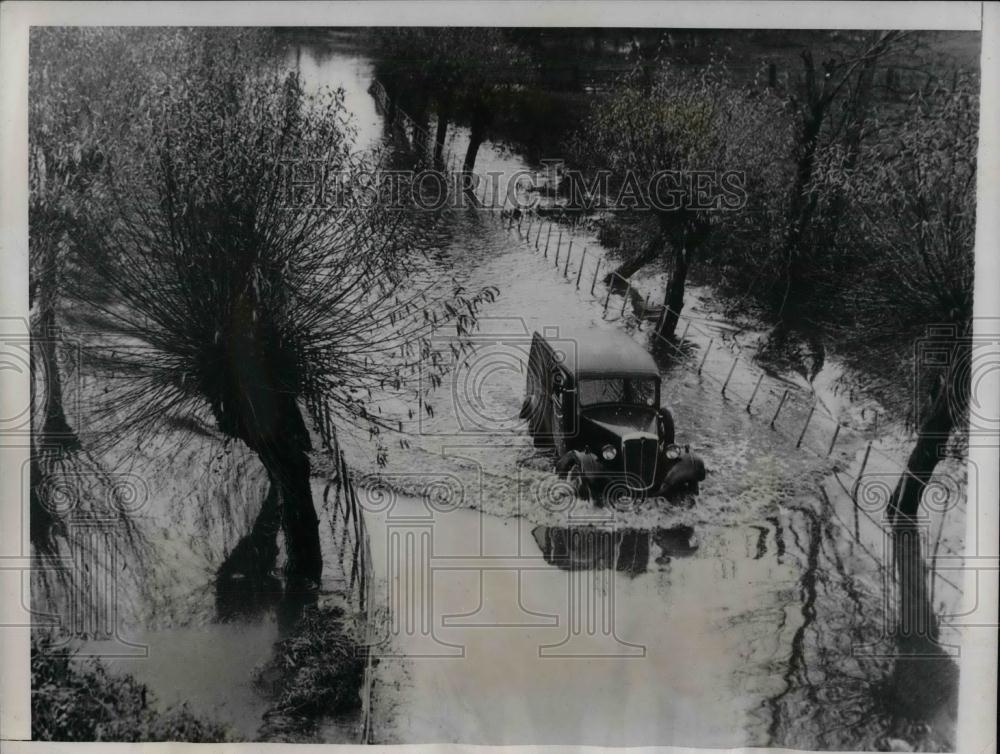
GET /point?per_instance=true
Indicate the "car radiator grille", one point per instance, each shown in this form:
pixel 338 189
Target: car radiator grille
pixel 639 454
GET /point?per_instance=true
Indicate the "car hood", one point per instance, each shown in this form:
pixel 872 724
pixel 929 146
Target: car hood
pixel 621 419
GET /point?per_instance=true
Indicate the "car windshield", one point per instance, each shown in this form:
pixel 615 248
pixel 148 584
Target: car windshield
pixel 639 391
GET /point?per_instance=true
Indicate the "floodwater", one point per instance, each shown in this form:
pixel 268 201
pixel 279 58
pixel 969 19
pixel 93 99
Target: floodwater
pixel 574 634
pixel 508 612
pixel 208 646
pixel 513 614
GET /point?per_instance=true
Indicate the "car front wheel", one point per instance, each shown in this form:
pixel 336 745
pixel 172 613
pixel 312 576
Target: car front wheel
pixel 579 485
pixel 574 476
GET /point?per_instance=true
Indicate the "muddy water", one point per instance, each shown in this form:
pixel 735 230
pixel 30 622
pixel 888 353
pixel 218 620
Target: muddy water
pixel 514 614
pixel 570 634
pixel 499 630
pixel 193 643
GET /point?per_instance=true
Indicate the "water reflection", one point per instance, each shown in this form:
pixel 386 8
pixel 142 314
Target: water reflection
pixel 847 681
pixel 242 599
pixel 627 550
pixel 322 65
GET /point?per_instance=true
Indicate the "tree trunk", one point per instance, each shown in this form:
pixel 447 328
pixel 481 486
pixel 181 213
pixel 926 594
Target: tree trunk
pixel 675 292
pixel 389 84
pixel 270 423
pixel 802 203
pixel 286 459
pixel 442 133
pixel 476 138
pixel 55 429
pixel 932 438
pixel 801 209
pixel 653 249
pixel 40 518
pixel 917 624
pixel 421 125
pixel 255 554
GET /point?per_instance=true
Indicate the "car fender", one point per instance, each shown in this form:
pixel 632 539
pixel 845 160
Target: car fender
pixel 689 468
pixel 590 466
pixel 529 406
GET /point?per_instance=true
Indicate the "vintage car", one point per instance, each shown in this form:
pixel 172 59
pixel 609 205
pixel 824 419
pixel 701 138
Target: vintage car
pixel 595 397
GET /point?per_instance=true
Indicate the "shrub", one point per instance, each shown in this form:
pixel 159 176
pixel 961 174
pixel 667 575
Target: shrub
pixel 316 670
pixel 80 700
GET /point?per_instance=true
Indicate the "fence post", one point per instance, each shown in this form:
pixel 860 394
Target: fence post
pixel 538 235
pixel 558 245
pixel 704 357
pixel 805 426
pixel 548 237
pixel 594 281
pixel 580 271
pixel 861 473
pixel 569 253
pixel 730 375
pixel 857 522
pixel 780 404
pixel 607 299
pixel 755 389
pixel 833 442
pixel 663 318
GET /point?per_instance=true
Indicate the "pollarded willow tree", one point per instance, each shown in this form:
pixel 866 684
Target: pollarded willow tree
pixel 906 313
pixel 685 155
pixel 241 294
pixel 914 202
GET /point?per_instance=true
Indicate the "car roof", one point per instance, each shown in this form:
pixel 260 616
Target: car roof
pixel 597 353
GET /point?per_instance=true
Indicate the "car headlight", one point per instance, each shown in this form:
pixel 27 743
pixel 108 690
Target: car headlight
pixel 673 452
pixel 609 452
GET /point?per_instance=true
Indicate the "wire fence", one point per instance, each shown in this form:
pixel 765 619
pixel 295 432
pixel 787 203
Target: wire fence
pixel 787 408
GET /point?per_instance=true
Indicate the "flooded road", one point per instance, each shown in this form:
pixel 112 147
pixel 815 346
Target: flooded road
pixel 508 611
pixel 574 634
pixel 514 613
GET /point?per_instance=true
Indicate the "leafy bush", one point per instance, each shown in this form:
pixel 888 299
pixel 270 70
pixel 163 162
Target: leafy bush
pixel 317 670
pixel 80 700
